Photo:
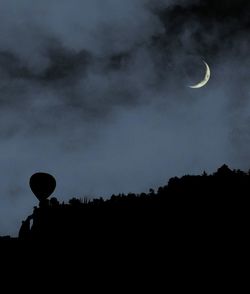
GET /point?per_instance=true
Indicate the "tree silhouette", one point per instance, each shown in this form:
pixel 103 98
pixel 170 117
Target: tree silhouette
pixel 192 206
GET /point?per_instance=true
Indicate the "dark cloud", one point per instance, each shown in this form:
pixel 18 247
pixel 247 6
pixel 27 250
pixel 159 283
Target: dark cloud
pixel 95 92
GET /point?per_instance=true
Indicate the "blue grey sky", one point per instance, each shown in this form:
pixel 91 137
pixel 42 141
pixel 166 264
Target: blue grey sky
pixel 96 93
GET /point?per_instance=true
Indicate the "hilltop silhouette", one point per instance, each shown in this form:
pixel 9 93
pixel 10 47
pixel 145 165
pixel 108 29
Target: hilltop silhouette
pixel 192 232
pixel 203 207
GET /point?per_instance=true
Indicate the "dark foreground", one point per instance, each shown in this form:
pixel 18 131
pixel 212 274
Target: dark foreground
pixel 191 234
pixel 207 209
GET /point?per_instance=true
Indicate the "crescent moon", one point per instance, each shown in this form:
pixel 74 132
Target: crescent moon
pixel 205 80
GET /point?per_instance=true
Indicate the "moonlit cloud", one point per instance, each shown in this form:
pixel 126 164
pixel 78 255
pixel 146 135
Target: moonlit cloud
pixel 95 92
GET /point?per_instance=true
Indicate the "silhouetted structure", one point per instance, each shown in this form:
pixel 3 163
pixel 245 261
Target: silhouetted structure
pixel 42 185
pixel 24 232
pixel 201 207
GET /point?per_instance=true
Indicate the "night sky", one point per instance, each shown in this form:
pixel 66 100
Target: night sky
pixel 96 93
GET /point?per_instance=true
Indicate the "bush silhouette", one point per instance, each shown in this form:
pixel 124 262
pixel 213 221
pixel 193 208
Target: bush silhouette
pixel 196 206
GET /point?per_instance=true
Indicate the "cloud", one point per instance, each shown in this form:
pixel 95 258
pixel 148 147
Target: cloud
pixel 96 94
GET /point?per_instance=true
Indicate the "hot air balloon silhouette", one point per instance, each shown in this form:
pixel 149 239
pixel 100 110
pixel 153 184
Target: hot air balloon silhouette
pixel 42 185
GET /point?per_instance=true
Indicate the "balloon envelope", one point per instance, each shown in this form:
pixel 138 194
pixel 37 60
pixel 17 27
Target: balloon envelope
pixel 42 185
